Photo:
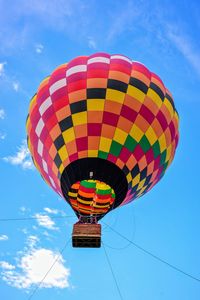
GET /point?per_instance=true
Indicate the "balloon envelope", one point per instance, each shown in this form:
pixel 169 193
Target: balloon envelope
pixel 102 130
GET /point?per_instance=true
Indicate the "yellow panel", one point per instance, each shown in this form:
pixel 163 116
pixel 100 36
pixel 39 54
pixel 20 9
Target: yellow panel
pixel 115 95
pixel 105 144
pixel 61 169
pixel 120 136
pixel 136 180
pixel 162 142
pixel 141 191
pixel 84 202
pixel 129 177
pixel 169 152
pixel 70 194
pixel 136 133
pixel 167 103
pixel 151 136
pixel 63 153
pixel 95 104
pixel 68 135
pixel 79 118
pixel 32 102
pixel 176 116
pixel 136 93
pixel 93 153
pixel 154 96
pixel 141 184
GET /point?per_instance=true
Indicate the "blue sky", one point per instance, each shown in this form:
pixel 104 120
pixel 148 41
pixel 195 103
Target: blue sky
pixel 36 36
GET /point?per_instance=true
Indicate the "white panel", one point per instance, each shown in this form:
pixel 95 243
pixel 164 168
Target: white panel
pixel 121 57
pixel 39 127
pixel 58 85
pixel 52 182
pixel 40 147
pixel 99 59
pixel 76 69
pixel 45 105
pixel 45 166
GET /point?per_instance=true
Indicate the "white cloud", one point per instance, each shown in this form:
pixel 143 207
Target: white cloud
pixel 39 48
pixel 2 68
pixel 2 114
pixel 51 211
pixel 32 266
pixel 15 85
pixel 21 158
pixel 3 237
pixel 2 136
pixel 6 266
pixel 45 221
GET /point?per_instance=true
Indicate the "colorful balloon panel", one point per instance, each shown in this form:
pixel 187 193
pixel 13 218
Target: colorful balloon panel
pixel 103 110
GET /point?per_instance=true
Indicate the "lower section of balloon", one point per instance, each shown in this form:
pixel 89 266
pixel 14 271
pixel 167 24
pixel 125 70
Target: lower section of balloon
pixel 93 187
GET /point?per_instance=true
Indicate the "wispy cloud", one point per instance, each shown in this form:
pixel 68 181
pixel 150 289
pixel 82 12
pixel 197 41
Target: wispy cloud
pixel 45 221
pixel 2 68
pixel 15 85
pixel 3 237
pixel 185 46
pixel 32 265
pixel 39 48
pixel 92 43
pixel 2 136
pixel 2 114
pixel 21 158
pixel 51 211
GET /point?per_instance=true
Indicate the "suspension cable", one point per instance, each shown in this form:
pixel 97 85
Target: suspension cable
pixel 112 272
pixel 154 256
pixel 51 267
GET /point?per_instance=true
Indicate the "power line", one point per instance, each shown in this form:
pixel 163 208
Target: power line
pixel 113 274
pixel 34 218
pixel 154 256
pixel 53 264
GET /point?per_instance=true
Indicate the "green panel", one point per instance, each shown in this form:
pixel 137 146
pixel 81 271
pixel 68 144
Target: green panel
pixel 102 154
pixel 89 185
pixel 130 143
pixel 144 143
pixel 115 148
pixel 156 149
pixel 103 192
pixel 163 157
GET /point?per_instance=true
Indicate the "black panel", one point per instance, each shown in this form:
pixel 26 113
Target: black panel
pixel 117 85
pixel 138 84
pixel 170 100
pixel 66 123
pixel 158 91
pixel 143 174
pixel 135 171
pixel 57 160
pixel 78 106
pixel 125 170
pixel 103 170
pixel 96 93
pixel 59 142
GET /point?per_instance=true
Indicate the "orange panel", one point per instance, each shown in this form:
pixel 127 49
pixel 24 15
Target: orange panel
pixel 95 116
pixel 124 124
pixel 107 131
pixel 132 102
pixel 80 130
pixel 77 96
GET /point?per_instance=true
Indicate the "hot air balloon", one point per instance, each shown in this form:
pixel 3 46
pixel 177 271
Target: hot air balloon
pixel 102 130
